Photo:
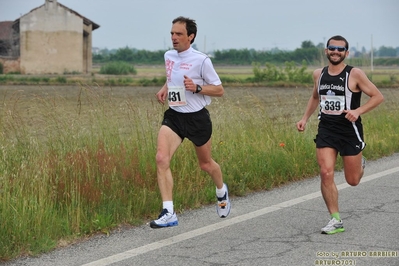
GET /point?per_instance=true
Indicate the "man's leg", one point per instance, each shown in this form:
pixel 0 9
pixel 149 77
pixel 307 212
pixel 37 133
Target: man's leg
pixel 353 168
pixel 208 165
pixel 168 142
pixel 326 158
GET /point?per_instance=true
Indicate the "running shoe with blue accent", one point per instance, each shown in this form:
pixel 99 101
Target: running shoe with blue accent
pixel 165 219
pixel 223 205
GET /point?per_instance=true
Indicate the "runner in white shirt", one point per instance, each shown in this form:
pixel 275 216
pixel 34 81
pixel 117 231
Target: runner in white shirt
pixel 191 81
pixel 199 68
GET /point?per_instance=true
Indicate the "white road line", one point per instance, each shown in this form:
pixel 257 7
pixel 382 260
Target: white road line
pixel 213 227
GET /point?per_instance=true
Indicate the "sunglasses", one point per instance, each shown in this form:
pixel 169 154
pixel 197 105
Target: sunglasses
pixel 338 48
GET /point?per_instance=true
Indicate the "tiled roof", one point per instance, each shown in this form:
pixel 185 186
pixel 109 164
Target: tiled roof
pixel 86 21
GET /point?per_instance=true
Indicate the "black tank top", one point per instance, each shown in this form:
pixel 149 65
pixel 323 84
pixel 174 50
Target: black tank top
pixel 336 96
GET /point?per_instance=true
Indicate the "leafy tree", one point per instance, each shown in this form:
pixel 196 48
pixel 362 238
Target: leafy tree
pixel 307 44
pixel 123 54
pixel 320 45
pixel 310 54
pixel 387 52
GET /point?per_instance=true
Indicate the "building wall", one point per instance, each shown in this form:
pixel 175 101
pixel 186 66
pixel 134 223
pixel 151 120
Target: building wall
pixel 10 65
pixel 87 49
pixel 51 41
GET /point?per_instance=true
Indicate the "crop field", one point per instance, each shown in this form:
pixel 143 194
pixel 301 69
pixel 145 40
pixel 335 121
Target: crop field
pixel 80 159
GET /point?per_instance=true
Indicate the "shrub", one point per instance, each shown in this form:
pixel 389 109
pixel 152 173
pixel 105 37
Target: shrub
pixel 290 73
pixel 61 80
pixel 295 74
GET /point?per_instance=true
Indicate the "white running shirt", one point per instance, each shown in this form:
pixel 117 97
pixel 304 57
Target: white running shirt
pixel 199 68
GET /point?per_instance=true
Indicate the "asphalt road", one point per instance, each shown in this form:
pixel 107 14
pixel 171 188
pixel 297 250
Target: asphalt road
pixel 278 227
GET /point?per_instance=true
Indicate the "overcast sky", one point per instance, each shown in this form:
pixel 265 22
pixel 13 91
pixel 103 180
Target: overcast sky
pixel 238 24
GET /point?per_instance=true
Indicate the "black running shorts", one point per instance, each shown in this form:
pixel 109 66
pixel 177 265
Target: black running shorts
pixel 345 146
pixel 197 126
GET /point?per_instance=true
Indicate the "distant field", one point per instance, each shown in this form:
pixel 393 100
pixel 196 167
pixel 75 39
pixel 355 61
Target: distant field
pixel 378 74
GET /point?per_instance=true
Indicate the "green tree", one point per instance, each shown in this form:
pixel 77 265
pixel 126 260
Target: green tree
pixel 386 52
pixel 311 55
pixel 307 44
pixel 123 54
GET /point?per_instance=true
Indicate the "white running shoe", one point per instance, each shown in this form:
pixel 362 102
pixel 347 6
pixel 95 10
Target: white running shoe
pixel 223 206
pixel 165 219
pixel 333 226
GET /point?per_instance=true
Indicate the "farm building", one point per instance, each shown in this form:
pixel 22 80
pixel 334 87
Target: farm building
pixel 50 39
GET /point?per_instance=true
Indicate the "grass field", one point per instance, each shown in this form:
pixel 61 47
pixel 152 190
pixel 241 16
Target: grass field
pixel 78 159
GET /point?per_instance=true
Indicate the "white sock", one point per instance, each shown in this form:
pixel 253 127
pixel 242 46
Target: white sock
pixel 220 192
pixel 168 205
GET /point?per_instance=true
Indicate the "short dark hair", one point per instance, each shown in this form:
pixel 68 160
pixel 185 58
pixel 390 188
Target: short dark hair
pixel 191 26
pixel 338 38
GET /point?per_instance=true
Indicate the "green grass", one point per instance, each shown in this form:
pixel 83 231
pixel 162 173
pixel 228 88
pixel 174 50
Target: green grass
pixel 77 160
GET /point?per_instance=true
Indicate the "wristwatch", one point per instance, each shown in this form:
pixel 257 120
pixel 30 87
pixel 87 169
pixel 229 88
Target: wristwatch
pixel 199 89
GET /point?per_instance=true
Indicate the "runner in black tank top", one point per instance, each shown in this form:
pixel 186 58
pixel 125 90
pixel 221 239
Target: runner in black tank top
pixel 336 91
pixel 336 96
